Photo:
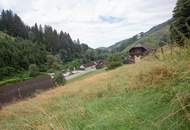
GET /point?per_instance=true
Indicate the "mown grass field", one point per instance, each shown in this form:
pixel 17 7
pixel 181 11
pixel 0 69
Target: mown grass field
pixel 151 95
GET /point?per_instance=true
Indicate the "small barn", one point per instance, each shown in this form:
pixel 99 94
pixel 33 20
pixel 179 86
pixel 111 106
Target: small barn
pixel 136 52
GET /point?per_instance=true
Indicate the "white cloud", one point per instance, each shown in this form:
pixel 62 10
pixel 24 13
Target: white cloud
pixel 81 18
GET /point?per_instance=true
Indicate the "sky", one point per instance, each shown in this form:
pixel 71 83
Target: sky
pixel 98 23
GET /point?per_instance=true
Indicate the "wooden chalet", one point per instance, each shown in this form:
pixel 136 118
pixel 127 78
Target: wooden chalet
pixel 138 51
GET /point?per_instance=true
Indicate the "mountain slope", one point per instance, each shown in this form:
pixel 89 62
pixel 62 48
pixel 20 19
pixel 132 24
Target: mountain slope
pixel 155 37
pixel 153 94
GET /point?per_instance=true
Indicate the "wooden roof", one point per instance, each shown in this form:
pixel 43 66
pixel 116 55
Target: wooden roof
pixel 142 45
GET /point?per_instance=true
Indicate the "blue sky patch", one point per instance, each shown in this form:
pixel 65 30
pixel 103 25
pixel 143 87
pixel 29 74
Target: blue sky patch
pixel 111 19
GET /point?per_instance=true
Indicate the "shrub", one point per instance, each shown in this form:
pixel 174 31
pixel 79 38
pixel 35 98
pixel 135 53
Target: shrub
pixel 7 71
pixel 33 70
pixel 114 61
pixel 75 64
pixel 59 79
pixel 51 70
pixel 99 66
pixel 43 68
pixel 53 62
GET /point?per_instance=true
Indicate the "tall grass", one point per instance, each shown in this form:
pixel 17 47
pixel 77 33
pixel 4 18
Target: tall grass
pixel 151 95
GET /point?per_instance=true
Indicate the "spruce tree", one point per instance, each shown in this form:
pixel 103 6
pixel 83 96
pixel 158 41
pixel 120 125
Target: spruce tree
pixel 180 28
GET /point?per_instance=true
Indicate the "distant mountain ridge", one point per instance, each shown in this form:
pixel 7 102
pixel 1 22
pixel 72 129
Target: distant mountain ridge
pixel 156 36
pixel 158 27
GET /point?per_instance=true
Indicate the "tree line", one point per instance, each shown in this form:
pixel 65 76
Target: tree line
pixel 58 43
pixel 22 45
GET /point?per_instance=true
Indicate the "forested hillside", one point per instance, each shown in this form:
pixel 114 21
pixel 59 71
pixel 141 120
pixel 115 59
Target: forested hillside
pixel 22 45
pixel 53 41
pixel 156 36
pixel 16 54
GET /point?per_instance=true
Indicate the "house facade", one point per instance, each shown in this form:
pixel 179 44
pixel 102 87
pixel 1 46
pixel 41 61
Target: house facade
pixel 138 51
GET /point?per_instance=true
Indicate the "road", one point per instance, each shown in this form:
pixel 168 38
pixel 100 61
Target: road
pixel 79 73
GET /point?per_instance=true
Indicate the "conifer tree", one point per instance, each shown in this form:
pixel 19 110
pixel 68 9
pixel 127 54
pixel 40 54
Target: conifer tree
pixel 180 28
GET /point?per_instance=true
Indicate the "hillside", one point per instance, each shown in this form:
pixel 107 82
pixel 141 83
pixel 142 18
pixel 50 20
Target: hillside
pixel 154 37
pixel 45 48
pixel 16 54
pixel 153 94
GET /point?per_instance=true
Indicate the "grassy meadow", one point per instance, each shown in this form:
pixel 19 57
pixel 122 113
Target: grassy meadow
pixel 153 94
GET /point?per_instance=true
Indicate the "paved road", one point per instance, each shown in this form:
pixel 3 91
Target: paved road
pixel 79 73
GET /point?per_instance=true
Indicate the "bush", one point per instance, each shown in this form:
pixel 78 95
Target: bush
pixel 99 66
pixel 53 62
pixel 43 68
pixel 114 61
pixel 59 79
pixel 7 71
pixel 75 64
pixel 33 70
pixel 51 70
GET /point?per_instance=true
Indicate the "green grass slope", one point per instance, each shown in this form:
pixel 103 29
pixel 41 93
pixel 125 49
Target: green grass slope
pixel 155 36
pixel 153 94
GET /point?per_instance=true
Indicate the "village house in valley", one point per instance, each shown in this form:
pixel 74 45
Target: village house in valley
pixel 138 51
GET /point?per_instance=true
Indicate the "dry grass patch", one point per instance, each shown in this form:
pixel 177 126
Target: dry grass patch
pixel 111 100
pixel 77 88
pixel 157 75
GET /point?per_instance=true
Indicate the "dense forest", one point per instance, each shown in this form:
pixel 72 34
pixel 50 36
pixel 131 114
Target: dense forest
pixel 22 45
